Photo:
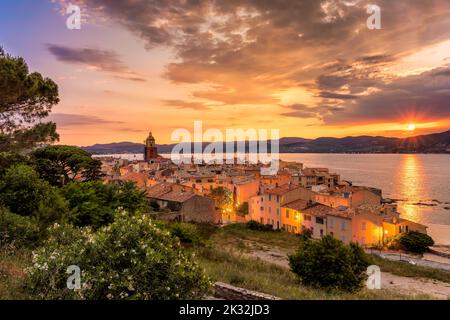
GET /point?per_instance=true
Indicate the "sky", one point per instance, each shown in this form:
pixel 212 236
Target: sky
pixel 310 68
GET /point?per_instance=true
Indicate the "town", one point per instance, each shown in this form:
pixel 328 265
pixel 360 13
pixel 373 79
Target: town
pixel 297 199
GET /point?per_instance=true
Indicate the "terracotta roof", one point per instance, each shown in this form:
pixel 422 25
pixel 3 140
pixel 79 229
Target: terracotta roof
pixel 393 220
pixel 281 190
pixel 170 192
pixel 138 177
pixel 320 210
pixel 297 205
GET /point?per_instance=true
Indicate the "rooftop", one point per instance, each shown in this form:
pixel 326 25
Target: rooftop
pixel 171 192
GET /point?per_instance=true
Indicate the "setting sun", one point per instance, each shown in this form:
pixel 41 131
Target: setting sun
pixel 411 127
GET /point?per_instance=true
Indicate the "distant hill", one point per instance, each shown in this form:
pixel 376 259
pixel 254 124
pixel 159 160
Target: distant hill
pixel 432 143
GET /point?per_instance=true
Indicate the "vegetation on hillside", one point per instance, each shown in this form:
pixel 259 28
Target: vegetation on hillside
pixel 53 202
pixel 330 264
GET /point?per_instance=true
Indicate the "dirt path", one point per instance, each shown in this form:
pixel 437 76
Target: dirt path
pixel 405 285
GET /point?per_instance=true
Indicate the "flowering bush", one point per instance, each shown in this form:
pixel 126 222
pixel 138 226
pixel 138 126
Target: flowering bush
pixel 129 259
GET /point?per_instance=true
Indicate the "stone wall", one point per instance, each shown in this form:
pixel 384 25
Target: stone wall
pixel 200 209
pixel 229 292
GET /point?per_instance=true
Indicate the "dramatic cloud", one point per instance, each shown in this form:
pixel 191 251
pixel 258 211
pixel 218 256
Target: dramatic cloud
pixel 424 96
pixel 302 111
pixel 64 120
pixel 102 60
pixel 251 52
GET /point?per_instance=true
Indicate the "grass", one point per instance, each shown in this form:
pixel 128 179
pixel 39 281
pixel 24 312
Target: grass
pixel 235 234
pixel 228 262
pixel 255 274
pixel 12 265
pixel 225 258
pixel 407 270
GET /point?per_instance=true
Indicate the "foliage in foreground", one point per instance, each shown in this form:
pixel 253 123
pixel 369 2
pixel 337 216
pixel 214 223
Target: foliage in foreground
pixel 255 225
pixel 130 259
pixel 330 264
pixel 17 231
pixel 255 274
pixel 23 193
pixel 95 203
pixel 60 165
pixel 415 242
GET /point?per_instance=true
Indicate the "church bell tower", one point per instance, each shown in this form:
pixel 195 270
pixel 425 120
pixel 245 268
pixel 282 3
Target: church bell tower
pixel 150 149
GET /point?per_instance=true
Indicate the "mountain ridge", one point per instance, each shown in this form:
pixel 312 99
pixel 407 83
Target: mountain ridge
pixel 430 143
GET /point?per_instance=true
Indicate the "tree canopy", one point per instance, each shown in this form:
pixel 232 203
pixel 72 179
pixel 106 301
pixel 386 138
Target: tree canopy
pixel 95 203
pixel 62 164
pixel 25 100
pixel 23 193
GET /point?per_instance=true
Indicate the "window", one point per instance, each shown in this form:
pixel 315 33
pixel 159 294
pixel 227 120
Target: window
pixel 278 211
pixel 321 232
pixel 343 238
pixel 270 209
pixel 343 225
pixel 278 199
pixel 261 219
pixel 198 181
pixel 307 218
pixel 332 234
pixel 287 213
pixel 319 220
pixel 270 197
pixel 261 208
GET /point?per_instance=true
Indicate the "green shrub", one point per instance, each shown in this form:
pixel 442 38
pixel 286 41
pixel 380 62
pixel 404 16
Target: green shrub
pixel 255 225
pixel 95 203
pixel 17 231
pixel 128 259
pixel 415 241
pixel 186 232
pixel 22 192
pixel 154 205
pixel 242 209
pixel 330 264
